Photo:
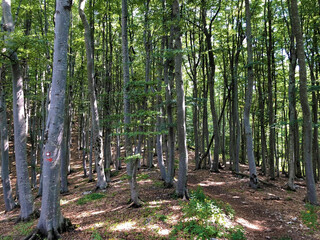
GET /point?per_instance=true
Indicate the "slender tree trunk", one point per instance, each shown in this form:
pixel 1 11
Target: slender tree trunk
pixel 168 79
pixel 51 221
pixel 292 114
pixel 132 162
pixel 181 189
pixel 307 122
pixel 270 97
pixel 97 132
pixel 25 194
pixel 4 149
pixel 248 101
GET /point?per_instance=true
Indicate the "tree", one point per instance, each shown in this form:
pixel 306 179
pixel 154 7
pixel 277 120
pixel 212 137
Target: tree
pixel 132 161
pixel 248 101
pixel 25 194
pixel 181 108
pixel 4 148
pixel 97 133
pixel 307 122
pixel 51 221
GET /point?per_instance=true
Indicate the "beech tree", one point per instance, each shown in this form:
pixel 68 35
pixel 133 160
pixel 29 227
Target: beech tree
pixel 97 132
pixel 246 114
pixel 307 121
pixel 181 109
pixel 132 160
pixel 4 148
pixel 51 222
pixel 25 195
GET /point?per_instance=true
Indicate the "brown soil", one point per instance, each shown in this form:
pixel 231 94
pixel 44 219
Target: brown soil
pixel 270 212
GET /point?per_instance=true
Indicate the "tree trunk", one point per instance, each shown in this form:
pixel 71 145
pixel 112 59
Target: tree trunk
pixel 307 122
pixel 292 113
pixel 51 221
pixel 270 97
pixel 132 162
pixel 97 132
pixel 4 149
pixel 25 194
pixel 181 189
pixel 248 101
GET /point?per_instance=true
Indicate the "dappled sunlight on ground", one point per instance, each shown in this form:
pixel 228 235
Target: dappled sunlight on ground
pixel 210 183
pixel 67 201
pixel 245 223
pixel 124 226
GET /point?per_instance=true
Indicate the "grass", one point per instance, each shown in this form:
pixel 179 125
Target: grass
pixel 90 197
pixel 21 229
pixel 206 218
pixel 309 217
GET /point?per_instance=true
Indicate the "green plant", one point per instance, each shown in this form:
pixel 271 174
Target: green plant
pixel 125 177
pixel 96 235
pixel 24 228
pixel 143 176
pixel 159 184
pixel 310 217
pixel 90 197
pixel 206 218
pixel 161 217
pixel 236 233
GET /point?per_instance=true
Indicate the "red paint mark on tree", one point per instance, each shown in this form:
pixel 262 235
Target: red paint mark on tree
pixel 49 159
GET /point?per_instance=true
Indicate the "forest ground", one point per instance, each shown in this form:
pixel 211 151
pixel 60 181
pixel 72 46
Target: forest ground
pixel 270 212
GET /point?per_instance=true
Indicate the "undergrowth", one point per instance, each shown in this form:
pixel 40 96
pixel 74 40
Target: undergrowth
pixel 206 218
pixel 90 197
pixel 310 217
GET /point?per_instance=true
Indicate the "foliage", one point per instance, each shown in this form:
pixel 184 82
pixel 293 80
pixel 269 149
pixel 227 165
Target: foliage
pixel 143 177
pixel 90 197
pixel 205 218
pixel 310 216
pixel 95 235
pixel 24 228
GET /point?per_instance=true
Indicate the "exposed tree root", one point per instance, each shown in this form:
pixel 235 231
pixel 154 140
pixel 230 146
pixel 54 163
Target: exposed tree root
pixel 34 215
pixel 52 234
pixel 264 182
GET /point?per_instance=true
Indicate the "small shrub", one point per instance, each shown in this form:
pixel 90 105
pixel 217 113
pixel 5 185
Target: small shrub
pixel 310 217
pixel 206 218
pixel 125 177
pixel 143 177
pixel 161 217
pixel 90 197
pixel 24 228
pixel 236 233
pixel 96 235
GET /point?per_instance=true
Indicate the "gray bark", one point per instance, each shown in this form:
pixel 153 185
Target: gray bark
pixel 292 114
pixel 307 122
pixel 25 194
pixel 97 132
pixel 132 163
pixel 181 189
pixel 51 221
pixel 168 79
pixel 4 148
pixel 248 101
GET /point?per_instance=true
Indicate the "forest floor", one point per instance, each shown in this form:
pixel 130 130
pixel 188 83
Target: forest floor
pixel 270 212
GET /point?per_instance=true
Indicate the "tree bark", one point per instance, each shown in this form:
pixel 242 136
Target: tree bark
pixel 51 221
pixel 248 101
pixel 307 122
pixel 4 148
pixel 97 132
pixel 25 194
pixel 132 162
pixel 181 189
